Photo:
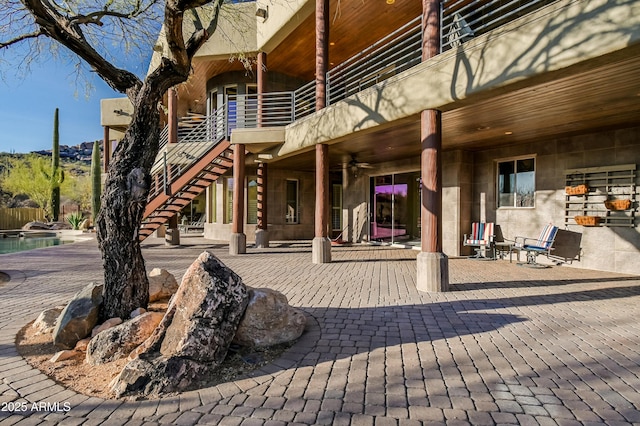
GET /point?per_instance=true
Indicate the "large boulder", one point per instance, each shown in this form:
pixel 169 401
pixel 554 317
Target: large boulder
pixel 162 284
pixel 269 320
pixel 194 335
pixel 79 317
pixel 118 341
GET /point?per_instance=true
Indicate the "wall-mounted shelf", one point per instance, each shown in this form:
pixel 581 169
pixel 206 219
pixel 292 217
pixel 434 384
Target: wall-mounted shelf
pixel 604 183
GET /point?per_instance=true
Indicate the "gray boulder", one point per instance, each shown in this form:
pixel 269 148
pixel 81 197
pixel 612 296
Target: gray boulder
pixel 269 320
pixel 118 341
pixel 79 317
pixel 194 335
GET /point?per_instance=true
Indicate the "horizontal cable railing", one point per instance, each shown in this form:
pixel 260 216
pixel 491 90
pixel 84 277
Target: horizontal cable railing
pixel 393 54
pixel 462 20
pixel 260 110
pixel 164 136
pixel 199 134
pixel 304 100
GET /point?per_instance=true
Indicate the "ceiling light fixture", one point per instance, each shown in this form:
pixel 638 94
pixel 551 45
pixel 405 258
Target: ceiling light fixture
pixel 391 1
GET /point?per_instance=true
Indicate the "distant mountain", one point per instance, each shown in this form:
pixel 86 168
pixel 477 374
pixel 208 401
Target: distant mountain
pixel 80 152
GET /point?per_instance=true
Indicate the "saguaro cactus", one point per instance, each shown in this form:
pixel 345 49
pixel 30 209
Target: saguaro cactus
pixel 96 182
pixel 57 175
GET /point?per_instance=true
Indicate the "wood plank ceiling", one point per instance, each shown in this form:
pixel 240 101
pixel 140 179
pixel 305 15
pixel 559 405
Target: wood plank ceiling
pixel 604 96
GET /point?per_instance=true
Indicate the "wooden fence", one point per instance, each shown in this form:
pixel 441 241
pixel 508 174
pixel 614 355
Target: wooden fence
pixel 18 217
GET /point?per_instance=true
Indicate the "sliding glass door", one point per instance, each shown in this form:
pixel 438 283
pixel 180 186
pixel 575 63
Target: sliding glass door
pixel 395 202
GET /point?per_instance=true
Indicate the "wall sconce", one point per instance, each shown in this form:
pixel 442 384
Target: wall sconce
pixel 263 12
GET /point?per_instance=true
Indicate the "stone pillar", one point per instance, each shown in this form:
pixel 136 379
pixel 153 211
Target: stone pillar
pixel 262 233
pixel 172 234
pixel 106 149
pixel 238 242
pixel 432 264
pixel 321 247
pixel 172 94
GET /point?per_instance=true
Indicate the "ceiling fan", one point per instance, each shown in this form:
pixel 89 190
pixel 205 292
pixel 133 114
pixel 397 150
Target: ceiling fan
pixel 354 166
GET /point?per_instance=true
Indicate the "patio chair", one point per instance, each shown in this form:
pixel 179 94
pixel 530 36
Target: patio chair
pixel 481 238
pixel 537 246
pixel 196 225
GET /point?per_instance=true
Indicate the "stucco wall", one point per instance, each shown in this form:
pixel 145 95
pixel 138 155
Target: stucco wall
pixel 276 206
pixel 603 248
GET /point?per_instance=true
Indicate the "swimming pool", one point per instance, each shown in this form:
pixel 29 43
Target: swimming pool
pixel 17 244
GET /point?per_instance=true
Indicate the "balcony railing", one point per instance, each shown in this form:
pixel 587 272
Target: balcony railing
pixel 197 136
pixel 461 20
pixel 395 53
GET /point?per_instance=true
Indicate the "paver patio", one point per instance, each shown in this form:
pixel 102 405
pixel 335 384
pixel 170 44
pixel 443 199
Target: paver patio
pixel 508 345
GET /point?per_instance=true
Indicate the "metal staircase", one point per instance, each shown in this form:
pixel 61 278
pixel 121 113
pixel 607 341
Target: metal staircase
pixel 183 170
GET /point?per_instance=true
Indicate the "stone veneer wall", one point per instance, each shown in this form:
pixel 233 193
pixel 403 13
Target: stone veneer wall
pixel 614 249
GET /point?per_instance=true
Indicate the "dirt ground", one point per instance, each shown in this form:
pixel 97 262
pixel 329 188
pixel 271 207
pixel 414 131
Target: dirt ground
pixel 89 380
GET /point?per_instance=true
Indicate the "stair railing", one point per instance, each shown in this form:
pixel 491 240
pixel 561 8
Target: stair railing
pixel 175 159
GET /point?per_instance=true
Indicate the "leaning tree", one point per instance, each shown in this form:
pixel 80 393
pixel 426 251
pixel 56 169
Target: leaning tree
pixel 96 33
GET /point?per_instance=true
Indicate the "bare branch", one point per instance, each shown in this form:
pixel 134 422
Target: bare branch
pixel 59 28
pixel 20 38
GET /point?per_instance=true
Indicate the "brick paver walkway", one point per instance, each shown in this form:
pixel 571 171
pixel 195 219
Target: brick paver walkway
pixel 508 345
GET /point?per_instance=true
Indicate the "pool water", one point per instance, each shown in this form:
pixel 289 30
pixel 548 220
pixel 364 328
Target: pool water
pixel 15 244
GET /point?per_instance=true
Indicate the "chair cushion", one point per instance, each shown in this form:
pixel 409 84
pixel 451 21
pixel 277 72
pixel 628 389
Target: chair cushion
pixel 534 248
pixel 477 242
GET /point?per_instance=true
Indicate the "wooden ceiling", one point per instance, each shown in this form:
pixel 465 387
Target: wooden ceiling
pixel 600 98
pixel 295 56
pixel 604 96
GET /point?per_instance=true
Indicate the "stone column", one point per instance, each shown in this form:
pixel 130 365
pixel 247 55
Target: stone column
pixel 262 233
pixel 238 242
pixel 432 264
pixel 321 247
pixel 172 234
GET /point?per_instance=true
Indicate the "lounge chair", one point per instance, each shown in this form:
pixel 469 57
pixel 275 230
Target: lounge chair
pixel 481 238
pixel 537 246
pixel 196 225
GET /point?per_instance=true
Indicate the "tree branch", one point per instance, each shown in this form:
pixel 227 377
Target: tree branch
pixel 60 28
pixel 20 38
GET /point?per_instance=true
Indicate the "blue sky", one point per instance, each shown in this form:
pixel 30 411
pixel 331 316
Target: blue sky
pixel 27 106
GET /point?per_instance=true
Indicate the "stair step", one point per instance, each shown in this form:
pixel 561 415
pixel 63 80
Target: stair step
pixel 186 187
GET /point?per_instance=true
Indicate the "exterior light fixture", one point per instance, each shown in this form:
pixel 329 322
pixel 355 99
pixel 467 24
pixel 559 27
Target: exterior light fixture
pixel 508 133
pixel 263 12
pixel 391 1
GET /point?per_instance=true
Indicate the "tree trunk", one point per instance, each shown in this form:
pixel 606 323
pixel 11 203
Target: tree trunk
pixel 124 200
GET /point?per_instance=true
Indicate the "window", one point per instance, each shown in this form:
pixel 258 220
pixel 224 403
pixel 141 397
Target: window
pixel 516 183
pixel 292 202
pixel 252 200
pixel 336 208
pixel 228 200
pixel 211 207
